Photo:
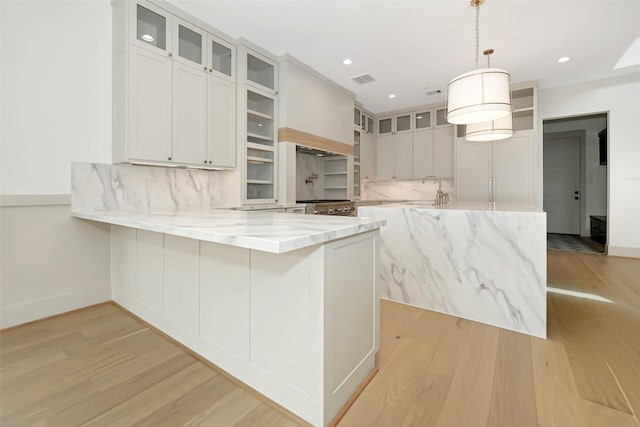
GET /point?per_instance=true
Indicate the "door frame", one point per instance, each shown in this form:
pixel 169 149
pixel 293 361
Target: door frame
pixel 581 136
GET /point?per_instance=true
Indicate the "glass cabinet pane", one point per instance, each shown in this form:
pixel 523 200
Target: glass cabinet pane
pixel 261 72
pixel 363 121
pixel 189 44
pixel 369 125
pixel 356 146
pixel 403 123
pixel 384 126
pixel 151 28
pixel 423 120
pixel 441 117
pixel 356 117
pixel 221 58
pixel 259 119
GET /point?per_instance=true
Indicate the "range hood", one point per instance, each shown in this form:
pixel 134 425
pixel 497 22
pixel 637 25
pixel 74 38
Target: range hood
pixel 315 152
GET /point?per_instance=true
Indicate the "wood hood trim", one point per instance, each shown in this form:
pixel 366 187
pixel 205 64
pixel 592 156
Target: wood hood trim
pixel 313 141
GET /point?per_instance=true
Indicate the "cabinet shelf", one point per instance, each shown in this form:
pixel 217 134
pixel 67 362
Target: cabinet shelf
pixel 259 115
pixel 335 173
pixel 257 136
pixel 260 181
pixel 253 159
pixel 260 147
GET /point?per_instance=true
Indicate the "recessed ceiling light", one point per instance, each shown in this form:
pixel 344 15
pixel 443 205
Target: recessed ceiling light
pixel 392 95
pixel 347 62
pixel 147 37
pixel 259 124
pixel 563 59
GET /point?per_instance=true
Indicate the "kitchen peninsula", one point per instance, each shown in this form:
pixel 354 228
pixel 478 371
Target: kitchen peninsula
pixel 286 303
pixel 480 261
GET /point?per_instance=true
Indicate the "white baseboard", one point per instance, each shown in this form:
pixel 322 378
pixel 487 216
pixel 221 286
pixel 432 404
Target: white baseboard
pixel 50 306
pixel 623 251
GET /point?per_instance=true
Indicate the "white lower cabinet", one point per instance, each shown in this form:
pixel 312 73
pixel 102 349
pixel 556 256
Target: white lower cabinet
pixel 299 327
pixel 500 171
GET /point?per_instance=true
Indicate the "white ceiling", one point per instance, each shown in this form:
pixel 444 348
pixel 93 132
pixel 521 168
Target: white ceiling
pixel 408 46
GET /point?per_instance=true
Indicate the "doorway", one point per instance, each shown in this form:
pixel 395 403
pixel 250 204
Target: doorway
pixel 575 182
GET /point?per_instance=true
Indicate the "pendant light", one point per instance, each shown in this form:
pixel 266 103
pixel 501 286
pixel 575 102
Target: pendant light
pixel 481 95
pixel 494 130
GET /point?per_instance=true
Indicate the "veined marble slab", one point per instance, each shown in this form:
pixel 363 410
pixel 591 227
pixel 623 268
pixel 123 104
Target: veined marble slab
pixel 100 187
pixel 487 265
pixel 263 231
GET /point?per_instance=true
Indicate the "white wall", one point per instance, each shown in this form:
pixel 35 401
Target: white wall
pixel 56 108
pixel 56 92
pixel 621 98
pixel 311 104
pixel 593 175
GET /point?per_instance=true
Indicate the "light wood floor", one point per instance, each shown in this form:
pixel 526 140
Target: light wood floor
pixel 101 367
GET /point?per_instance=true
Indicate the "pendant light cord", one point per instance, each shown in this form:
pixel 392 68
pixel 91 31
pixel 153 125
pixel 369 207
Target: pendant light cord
pixel 477 31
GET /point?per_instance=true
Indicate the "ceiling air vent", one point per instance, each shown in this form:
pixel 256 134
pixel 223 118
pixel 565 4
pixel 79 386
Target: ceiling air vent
pixel 363 79
pixel 433 92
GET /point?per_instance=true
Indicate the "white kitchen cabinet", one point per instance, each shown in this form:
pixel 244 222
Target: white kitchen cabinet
pixel 181 276
pixel 367 156
pixel 258 125
pixel 169 108
pixel 189 140
pixel 501 171
pixel 443 151
pixel 423 153
pixel 149 27
pixel 149 111
pixel 394 147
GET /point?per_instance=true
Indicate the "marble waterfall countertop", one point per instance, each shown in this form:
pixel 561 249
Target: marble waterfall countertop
pixel 479 261
pixel 263 231
pixel 465 206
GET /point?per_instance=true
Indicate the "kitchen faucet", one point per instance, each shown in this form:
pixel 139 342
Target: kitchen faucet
pixel 442 199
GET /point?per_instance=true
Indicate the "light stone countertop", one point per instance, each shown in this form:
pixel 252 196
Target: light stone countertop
pixel 263 231
pixel 464 206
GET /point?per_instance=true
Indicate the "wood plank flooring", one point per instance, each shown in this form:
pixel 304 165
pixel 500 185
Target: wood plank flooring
pixel 436 370
pixel 101 367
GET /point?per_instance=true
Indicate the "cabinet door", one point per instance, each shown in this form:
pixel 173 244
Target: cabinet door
pixel 474 168
pixel 149 106
pixel 150 27
pixel 422 154
pixel 189 114
pixel 384 163
pixel 403 156
pixel 221 118
pixel 513 169
pixel 189 44
pixel 443 152
pixel 221 58
pixel 367 159
pixel 181 285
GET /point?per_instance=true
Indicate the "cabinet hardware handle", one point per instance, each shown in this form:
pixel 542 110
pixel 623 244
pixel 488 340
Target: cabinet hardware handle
pixel 205 68
pixel 210 162
pixel 168 158
pixel 205 162
pixel 170 55
pixel 210 69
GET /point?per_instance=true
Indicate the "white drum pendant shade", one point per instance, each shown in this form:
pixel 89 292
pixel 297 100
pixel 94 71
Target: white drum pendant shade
pixel 478 96
pixel 490 131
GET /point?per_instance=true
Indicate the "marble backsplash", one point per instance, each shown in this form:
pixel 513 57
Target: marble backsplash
pixel 306 166
pixel 405 190
pixel 97 187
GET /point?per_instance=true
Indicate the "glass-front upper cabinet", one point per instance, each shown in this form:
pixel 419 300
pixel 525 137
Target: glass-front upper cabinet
pixel 190 42
pixel 151 27
pixel 423 120
pixel 384 126
pixel 441 117
pixel 222 57
pixel 403 123
pixel 356 146
pixel 261 71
